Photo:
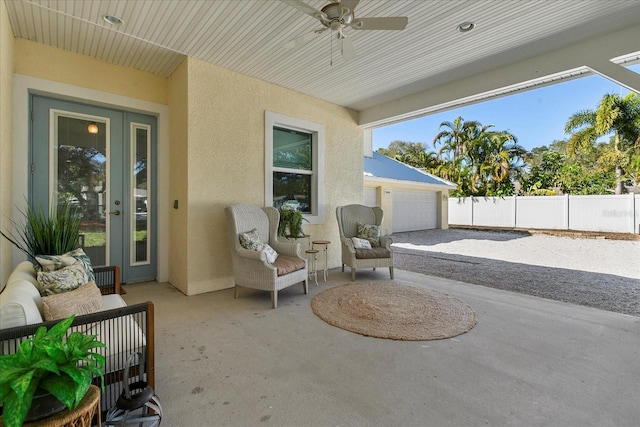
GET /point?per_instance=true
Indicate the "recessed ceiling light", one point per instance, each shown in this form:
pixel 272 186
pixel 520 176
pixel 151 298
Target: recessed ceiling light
pixel 113 20
pixel 466 26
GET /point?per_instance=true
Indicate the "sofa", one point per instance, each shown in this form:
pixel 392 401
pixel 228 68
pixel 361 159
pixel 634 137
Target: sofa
pixel 124 329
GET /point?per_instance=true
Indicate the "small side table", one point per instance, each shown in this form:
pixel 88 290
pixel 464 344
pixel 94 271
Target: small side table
pixel 312 257
pixel 325 248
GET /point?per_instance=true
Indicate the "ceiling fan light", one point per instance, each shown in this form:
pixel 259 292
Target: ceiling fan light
pixel 92 128
pixel 466 26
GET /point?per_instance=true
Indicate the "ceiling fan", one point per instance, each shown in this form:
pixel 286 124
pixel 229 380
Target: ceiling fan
pixel 338 16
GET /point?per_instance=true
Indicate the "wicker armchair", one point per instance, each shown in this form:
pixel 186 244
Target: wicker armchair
pixel 348 218
pixel 251 268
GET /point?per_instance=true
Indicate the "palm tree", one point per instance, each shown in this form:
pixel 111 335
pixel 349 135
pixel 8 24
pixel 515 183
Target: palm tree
pixel 481 161
pixel 614 115
pixel 456 140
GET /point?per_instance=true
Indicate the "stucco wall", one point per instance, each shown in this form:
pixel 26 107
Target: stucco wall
pixel 37 60
pixel 85 79
pixel 226 162
pixel 178 178
pixel 6 137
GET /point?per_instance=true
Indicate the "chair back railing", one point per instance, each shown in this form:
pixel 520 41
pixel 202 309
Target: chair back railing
pixel 124 330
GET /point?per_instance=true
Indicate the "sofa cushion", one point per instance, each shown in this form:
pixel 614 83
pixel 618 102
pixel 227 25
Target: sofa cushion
pixel 57 262
pixel 86 299
pixel 64 280
pixel 23 271
pixel 287 264
pixel 112 301
pixel 18 305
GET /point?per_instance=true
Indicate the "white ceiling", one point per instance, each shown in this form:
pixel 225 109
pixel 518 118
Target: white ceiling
pixel 247 36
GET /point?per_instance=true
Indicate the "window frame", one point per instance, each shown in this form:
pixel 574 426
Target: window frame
pixel 316 131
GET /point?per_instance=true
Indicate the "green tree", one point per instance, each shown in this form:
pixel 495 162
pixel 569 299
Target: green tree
pixel 402 148
pixel 617 116
pixel 456 137
pixel 481 161
pixel 543 177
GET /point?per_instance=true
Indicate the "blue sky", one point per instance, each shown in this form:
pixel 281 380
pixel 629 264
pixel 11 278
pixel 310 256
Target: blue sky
pixel 536 117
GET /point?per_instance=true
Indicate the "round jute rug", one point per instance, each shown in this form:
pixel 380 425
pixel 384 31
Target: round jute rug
pixel 394 311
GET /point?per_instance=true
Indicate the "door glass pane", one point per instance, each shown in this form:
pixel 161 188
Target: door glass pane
pixel 80 176
pixel 140 251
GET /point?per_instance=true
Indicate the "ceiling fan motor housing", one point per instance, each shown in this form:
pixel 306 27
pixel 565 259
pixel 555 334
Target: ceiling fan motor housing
pixel 337 16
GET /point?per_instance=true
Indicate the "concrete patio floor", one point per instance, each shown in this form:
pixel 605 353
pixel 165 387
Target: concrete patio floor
pixel 528 362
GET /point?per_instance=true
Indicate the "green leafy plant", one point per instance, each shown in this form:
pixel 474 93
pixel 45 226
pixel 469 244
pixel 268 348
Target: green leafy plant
pixel 41 234
pixel 64 368
pixel 290 224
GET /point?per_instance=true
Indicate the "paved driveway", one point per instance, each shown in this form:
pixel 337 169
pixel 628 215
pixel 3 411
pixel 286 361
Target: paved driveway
pixel 599 273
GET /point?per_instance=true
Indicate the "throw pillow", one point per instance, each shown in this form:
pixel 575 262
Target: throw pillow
pixel 86 299
pixel 64 280
pixel 56 262
pixel 361 243
pixel 251 240
pixel 370 232
pixel 271 253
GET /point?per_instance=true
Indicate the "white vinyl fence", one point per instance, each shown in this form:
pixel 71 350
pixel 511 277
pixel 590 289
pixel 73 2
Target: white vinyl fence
pixel 608 213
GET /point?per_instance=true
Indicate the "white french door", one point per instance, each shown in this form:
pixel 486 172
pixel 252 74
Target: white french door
pixel 101 161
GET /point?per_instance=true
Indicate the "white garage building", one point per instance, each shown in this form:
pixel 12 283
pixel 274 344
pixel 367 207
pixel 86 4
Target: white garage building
pixel 411 199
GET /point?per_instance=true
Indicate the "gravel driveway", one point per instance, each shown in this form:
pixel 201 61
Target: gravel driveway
pixel 595 272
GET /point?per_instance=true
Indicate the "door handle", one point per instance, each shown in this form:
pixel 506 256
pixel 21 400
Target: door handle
pixel 116 212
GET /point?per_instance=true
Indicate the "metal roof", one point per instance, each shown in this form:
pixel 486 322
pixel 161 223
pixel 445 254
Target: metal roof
pixel 380 166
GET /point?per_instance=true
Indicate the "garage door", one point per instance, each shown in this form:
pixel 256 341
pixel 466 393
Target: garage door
pixel 414 210
pixel 370 198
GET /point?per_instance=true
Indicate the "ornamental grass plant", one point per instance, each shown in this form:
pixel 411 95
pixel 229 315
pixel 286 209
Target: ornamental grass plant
pixel 41 234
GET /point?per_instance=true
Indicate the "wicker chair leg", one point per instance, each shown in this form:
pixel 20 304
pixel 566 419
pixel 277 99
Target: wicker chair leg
pixel 343 268
pixel 391 272
pixel 274 299
pixel 353 274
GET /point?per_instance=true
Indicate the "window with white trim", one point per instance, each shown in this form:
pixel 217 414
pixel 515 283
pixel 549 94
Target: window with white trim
pixel 294 165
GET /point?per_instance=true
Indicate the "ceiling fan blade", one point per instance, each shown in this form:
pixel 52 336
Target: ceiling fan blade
pixel 349 4
pixel 387 23
pixel 305 8
pixel 346 47
pixel 303 39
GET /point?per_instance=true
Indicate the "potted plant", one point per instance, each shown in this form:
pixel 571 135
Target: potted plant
pixel 39 234
pixel 48 362
pixel 290 224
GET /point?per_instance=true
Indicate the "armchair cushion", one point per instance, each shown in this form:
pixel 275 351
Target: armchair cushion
pixel 287 264
pixel 361 243
pixel 373 253
pixel 271 254
pixel 251 240
pixel 86 299
pixel 370 232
